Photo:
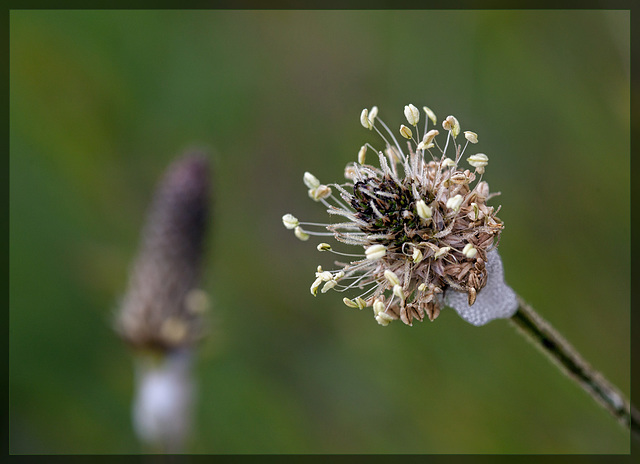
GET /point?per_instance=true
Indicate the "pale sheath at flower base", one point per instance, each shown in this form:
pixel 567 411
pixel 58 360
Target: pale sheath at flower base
pixel 424 233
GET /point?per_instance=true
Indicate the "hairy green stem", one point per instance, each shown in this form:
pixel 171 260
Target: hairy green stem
pixel 558 349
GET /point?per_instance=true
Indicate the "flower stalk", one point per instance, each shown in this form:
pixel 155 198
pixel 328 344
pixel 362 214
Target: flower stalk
pixel 560 352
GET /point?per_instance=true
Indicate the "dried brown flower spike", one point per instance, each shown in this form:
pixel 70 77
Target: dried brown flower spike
pixel 427 237
pixel 421 219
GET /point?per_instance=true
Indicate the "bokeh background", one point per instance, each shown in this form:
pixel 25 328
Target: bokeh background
pixel 103 101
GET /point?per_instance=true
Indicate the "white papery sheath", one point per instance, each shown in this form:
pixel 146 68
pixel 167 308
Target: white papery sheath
pixel 495 301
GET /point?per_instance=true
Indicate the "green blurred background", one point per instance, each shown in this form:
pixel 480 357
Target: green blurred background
pixel 103 101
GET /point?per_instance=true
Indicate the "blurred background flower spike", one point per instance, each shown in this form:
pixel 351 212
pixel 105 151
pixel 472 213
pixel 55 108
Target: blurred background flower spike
pixel 161 314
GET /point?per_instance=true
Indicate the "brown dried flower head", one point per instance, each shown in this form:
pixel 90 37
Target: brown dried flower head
pixel 421 219
pixel 162 308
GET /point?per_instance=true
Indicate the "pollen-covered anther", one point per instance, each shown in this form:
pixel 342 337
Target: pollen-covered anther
pixel 328 286
pixel 349 172
pixel 454 202
pixel 320 193
pixel 375 252
pixel 391 277
pixel 301 234
pixel 471 136
pixel 428 139
pixel 478 161
pixel 324 247
pixel 451 124
pixel 373 113
pixel 422 287
pixel 469 250
pixel 361 154
pixel 325 276
pixel 378 307
pixel 310 180
pixel 448 162
pixel 430 114
pixel 383 319
pixel 417 255
pixel 364 119
pixel 425 146
pixel 412 114
pixel 350 303
pixel 424 211
pixel 441 252
pixel 314 286
pixel 397 291
pixel 406 132
pixel 361 303
pixel 290 221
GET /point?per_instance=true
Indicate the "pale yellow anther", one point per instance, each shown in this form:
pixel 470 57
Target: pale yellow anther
pixel 471 136
pixel 391 277
pixel 320 193
pixel 324 247
pixel 422 287
pixel 469 250
pixel 478 161
pixel 310 180
pixel 314 286
pixel 475 213
pixel 455 202
pixel 383 319
pixel 197 301
pixel 378 307
pixel 375 252
pixel 431 115
pixel 441 252
pixel 417 255
pixel 361 303
pixel 349 303
pixel 448 162
pixel 362 153
pixel 364 119
pixel 328 286
pixel 424 211
pixel 325 276
pixel 373 113
pixel 338 275
pixel 412 114
pixel 174 330
pixel 290 221
pixel 397 291
pixel 451 124
pixel 405 132
pixel 349 172
pixel 429 136
pixel 301 234
pixel 425 146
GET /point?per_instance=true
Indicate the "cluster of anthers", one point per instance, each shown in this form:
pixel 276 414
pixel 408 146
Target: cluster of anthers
pixel 424 226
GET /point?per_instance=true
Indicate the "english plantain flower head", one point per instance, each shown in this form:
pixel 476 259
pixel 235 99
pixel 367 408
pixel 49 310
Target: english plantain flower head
pixel 420 222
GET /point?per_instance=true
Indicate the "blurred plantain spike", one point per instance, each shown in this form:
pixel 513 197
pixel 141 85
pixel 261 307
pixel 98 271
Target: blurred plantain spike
pixel 162 308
